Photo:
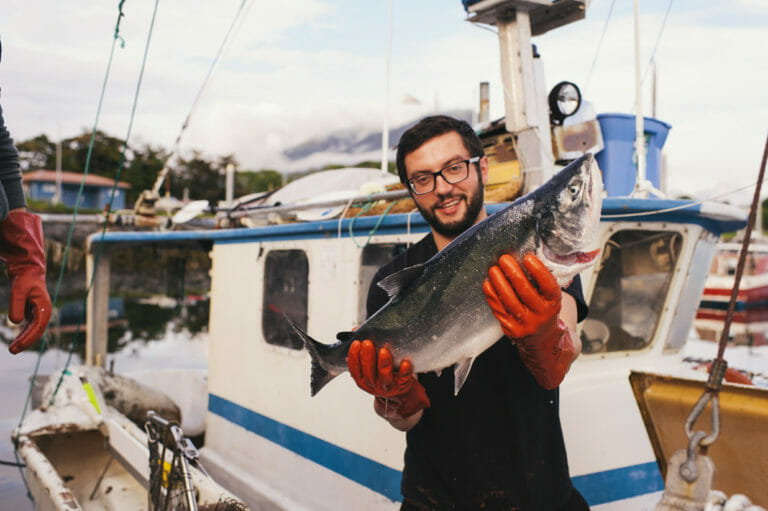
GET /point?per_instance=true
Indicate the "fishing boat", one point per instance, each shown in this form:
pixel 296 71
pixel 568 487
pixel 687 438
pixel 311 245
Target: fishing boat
pixel 750 320
pixel 274 446
pixel 268 440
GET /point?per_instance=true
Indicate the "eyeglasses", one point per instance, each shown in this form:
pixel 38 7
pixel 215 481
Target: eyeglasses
pixel 454 173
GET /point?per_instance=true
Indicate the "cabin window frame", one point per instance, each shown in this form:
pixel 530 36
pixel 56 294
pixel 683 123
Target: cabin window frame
pixel 639 281
pixel 285 296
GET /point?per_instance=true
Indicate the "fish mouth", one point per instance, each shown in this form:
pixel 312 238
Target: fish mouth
pixel 572 258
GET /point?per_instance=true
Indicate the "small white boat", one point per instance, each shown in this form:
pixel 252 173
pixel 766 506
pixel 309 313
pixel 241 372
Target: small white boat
pixel 82 453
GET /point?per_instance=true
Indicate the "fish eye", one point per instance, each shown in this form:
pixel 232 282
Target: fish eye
pixel 574 190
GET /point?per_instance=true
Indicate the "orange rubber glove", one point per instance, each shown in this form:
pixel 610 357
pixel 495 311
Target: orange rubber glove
pixel 374 374
pixel 528 313
pixel 21 249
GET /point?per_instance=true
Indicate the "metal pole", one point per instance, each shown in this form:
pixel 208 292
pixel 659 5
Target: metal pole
pixel 230 187
pixel 385 127
pixel 639 128
pixel 97 308
pixel 484 114
pixel 57 194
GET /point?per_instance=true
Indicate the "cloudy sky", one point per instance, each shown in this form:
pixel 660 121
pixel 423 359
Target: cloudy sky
pixel 300 68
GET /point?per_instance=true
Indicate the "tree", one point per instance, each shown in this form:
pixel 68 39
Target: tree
pixel 253 182
pixel 202 178
pixel 37 153
pixel 143 170
pixel 105 155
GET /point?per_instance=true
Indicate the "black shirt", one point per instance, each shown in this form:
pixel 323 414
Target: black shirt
pixel 499 442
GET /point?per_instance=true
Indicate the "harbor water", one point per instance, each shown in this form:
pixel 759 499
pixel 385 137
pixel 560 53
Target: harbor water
pixel 151 334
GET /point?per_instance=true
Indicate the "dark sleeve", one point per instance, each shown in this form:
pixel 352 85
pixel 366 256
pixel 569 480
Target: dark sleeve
pixel 574 289
pixel 10 172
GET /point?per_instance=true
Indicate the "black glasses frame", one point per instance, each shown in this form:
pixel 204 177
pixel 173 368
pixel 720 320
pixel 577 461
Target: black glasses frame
pixel 434 175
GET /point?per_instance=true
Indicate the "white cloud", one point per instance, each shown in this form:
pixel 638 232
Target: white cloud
pixel 275 87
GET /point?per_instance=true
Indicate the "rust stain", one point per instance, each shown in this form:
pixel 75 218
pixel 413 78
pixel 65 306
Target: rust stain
pixel 69 500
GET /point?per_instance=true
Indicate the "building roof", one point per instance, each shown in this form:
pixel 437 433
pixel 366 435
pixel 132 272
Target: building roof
pixel 49 176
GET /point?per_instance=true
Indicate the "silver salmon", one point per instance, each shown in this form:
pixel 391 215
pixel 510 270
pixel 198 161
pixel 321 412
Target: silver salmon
pixel 437 315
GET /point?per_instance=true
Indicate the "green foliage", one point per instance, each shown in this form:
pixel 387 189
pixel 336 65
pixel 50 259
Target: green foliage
pixel 139 168
pixel 37 153
pixel 142 172
pixel 371 164
pixel 196 177
pixel 253 182
pixel 764 214
pixel 202 178
pixel 41 206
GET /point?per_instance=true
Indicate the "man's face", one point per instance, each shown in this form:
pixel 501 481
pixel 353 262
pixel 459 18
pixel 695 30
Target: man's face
pixel 450 208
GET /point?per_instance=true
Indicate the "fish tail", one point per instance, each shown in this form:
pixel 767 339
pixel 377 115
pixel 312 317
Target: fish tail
pixel 319 376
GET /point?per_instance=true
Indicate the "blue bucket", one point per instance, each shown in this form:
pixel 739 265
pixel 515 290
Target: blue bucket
pixel 618 161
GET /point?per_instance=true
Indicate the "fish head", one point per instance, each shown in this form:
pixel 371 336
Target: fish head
pixel 568 211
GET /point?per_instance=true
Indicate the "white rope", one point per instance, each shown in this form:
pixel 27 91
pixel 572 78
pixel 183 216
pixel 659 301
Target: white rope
pixel 676 208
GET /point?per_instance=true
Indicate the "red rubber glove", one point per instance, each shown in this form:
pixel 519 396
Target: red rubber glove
pixel 21 249
pixel 528 313
pixel 374 374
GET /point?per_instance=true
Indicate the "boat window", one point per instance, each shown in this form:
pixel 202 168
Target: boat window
pixel 373 257
pixel 286 281
pixel 630 290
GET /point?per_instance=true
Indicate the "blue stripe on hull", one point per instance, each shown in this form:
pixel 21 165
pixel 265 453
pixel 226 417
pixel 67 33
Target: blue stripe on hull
pixel 362 470
pixel 597 488
pixel 618 484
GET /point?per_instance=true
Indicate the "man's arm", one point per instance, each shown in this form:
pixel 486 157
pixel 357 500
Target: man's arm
pixel 569 316
pixel 388 410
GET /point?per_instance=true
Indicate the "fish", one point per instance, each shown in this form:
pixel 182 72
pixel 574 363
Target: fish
pixel 437 315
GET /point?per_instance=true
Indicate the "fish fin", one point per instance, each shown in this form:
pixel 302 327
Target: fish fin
pixel 460 373
pixel 319 376
pixel 346 336
pixel 393 283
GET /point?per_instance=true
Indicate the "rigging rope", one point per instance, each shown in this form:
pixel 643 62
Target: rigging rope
pixel 719 364
pixel 43 344
pixel 236 21
pixel 113 192
pixel 77 203
pixel 652 60
pixel 684 206
pixel 365 209
pixel 599 45
pixel 658 39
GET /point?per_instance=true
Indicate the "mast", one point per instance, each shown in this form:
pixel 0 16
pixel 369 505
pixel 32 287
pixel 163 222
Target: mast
pixel 640 182
pixel 522 74
pixel 385 124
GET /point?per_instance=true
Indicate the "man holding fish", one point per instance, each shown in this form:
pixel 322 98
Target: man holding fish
pixel 492 440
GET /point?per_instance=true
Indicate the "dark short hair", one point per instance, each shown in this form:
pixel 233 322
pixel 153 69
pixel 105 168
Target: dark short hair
pixel 429 128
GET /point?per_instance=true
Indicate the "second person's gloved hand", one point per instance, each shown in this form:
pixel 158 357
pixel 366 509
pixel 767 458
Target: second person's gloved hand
pixel 21 249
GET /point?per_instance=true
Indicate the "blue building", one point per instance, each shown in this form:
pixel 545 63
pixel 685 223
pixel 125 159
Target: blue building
pixel 41 185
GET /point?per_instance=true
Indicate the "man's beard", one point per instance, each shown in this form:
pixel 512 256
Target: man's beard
pixel 453 229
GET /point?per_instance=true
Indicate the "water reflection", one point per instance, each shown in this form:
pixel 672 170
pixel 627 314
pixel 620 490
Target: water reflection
pixel 144 320
pixel 144 334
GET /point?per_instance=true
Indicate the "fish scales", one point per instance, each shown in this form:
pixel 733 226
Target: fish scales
pixel 437 315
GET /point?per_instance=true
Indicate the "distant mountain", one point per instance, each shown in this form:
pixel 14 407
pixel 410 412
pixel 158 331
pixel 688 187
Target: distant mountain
pixel 354 142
